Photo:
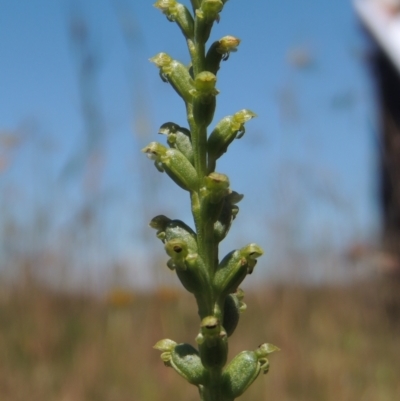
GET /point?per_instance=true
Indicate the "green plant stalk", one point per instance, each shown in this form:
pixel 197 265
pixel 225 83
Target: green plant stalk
pixel 194 254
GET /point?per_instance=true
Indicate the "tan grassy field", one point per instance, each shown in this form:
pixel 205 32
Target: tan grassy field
pixel 339 344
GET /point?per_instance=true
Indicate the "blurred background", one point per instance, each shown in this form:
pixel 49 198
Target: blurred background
pixel 84 290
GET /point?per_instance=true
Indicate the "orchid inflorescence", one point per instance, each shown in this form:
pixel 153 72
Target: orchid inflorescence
pixel 190 159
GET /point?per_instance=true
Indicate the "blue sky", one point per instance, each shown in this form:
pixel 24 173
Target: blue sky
pixel 306 164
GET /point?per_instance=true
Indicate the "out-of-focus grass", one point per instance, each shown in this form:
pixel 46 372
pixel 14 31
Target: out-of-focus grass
pixel 337 344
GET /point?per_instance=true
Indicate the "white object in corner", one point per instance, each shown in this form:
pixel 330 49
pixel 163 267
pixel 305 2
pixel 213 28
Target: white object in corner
pixel 382 19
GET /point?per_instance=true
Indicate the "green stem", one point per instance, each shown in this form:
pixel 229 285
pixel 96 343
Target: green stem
pixel 199 59
pixel 207 246
pixel 204 227
pixel 212 392
pixel 199 143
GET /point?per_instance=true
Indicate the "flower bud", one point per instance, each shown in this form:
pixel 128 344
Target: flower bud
pixel 204 98
pixel 228 213
pixel 240 374
pixel 234 267
pixel 205 16
pixel 154 151
pixel 165 346
pixel 231 313
pixel 168 229
pixel 244 369
pixel 225 132
pixel 176 12
pixel 251 252
pixel 178 138
pixel 175 164
pixel 223 222
pixel 195 277
pixel 166 6
pixel 176 74
pixel 178 251
pixel 204 84
pixel 185 360
pixel 213 344
pixel 215 188
pixel 220 51
pixel 262 352
pixel 216 182
pixel 209 10
pixel 189 267
pixel 179 168
pixel 160 223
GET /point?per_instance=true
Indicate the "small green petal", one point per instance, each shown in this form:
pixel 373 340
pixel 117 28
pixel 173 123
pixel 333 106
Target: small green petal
pixel 165 345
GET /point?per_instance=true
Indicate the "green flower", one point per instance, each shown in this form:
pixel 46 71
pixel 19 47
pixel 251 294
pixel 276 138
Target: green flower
pixel 176 12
